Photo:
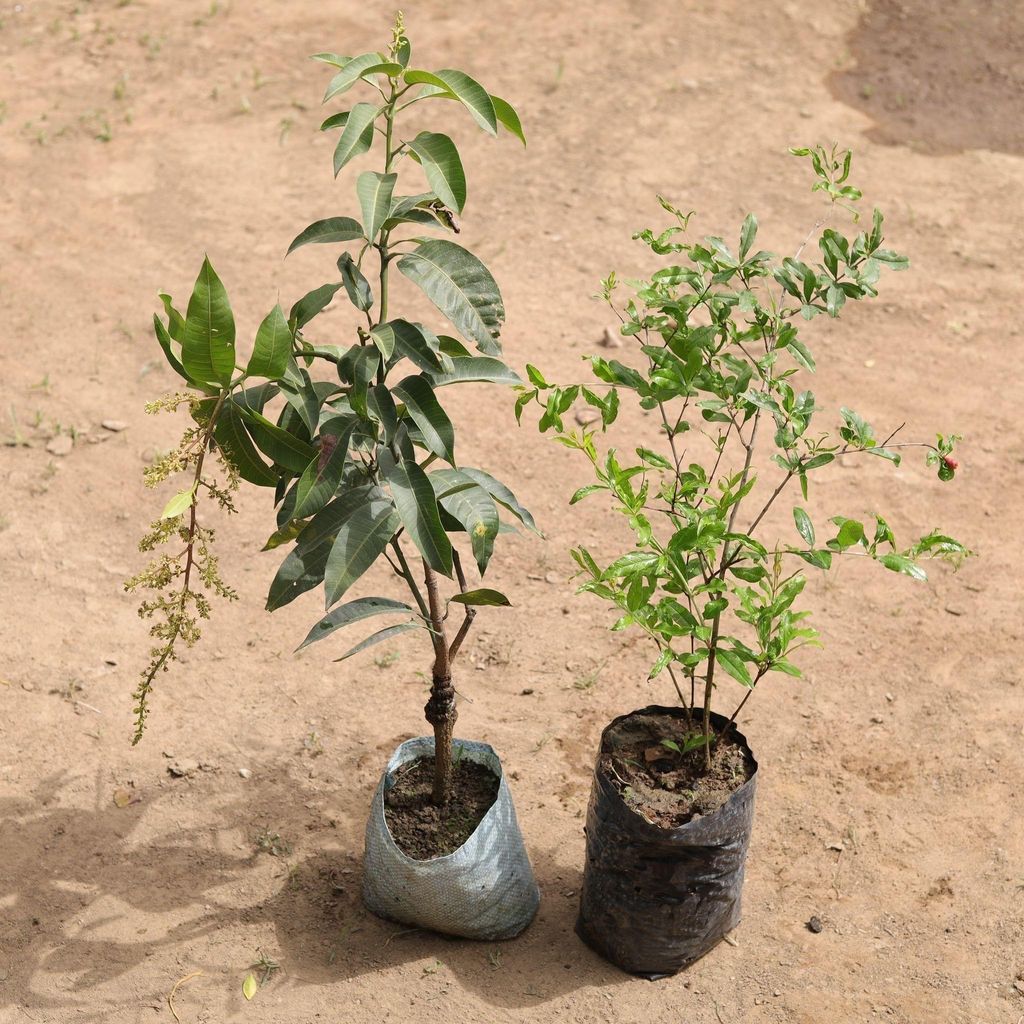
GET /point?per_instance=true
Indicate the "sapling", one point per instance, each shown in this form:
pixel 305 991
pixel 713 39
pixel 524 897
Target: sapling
pixel 362 463
pixel 719 353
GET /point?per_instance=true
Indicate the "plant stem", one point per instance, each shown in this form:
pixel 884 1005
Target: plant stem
pixel 709 685
pixel 440 708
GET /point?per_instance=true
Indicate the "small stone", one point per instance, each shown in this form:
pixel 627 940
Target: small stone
pixel 527 692
pixel 114 426
pixel 889 697
pixel 838 847
pixel 815 925
pixel 587 415
pixel 110 661
pixel 877 719
pixel 60 445
pixel 552 577
pixel 611 339
pixel 869 363
pixel 689 83
pixel 776 993
pixel 245 773
pixel 28 686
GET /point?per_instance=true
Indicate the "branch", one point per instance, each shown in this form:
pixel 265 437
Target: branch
pixel 467 622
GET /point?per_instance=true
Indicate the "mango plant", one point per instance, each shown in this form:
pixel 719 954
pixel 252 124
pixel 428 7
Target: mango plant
pixel 362 461
pixel 718 355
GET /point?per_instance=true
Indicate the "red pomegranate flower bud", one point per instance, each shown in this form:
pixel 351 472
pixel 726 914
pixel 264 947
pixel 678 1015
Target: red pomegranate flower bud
pixel 950 463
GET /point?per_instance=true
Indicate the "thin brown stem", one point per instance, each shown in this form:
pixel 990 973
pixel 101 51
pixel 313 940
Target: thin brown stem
pixel 467 622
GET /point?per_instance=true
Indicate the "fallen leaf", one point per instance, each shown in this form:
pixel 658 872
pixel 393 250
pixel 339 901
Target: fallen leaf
pixel 250 986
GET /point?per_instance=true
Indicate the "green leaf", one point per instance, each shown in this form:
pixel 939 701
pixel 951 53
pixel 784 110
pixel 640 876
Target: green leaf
pixel 356 285
pixel 291 529
pixel 747 235
pixel 357 136
pixel 503 496
pixel 461 287
pixel 850 532
pixel 472 508
pixel 237 447
pixel 412 341
pixel 902 564
pixel 507 116
pixel 474 368
pixel 380 637
pixel 734 666
pixel 282 446
pixel 304 567
pixel 323 475
pixel 167 344
pixel 273 347
pixel 175 321
pixel 374 191
pixel 442 166
pixel 483 596
pixel 417 505
pixel 804 525
pixel 179 503
pixel 470 93
pixel 360 541
pixel 359 67
pixel 333 229
pixel 311 304
pixel 426 412
pixel 353 611
pixel 250 986
pixel 208 348
pixel 337 59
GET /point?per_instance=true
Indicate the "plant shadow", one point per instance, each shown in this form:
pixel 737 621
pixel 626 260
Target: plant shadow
pixel 78 882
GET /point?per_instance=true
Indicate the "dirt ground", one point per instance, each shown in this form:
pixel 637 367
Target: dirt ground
pixel 136 134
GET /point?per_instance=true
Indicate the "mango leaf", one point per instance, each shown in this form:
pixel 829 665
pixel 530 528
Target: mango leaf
pixel 322 476
pixel 175 321
pixel 483 596
pixel 304 567
pixel 273 347
pixel 311 304
pixel 361 539
pixel 352 611
pixel 356 285
pixel 443 167
pixel 411 341
pixel 337 59
pixel 461 287
pixel 381 407
pixel 282 446
pixel 357 136
pixel 179 503
pixel 237 447
pixel 506 115
pixel 359 67
pixel 208 347
pixel 472 508
pixel 503 496
pixel 417 505
pixel 333 229
pixel 380 637
pixel 168 345
pixel 458 85
pixel 475 368
pixel 902 564
pixel 374 191
pixel 426 412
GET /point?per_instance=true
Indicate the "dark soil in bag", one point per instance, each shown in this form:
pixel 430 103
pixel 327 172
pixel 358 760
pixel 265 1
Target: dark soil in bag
pixel 423 830
pixel 666 843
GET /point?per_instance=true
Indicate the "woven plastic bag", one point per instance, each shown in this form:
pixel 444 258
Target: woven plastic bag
pixel 484 890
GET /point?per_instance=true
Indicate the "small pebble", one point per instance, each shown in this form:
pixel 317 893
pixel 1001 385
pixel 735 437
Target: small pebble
pixel 115 426
pixel 526 692
pixel 815 925
pixel 552 577
pixel 60 445
pixel 245 773
pixel 877 719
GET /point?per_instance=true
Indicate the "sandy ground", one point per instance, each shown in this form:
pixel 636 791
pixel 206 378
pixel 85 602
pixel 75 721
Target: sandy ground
pixel 135 135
